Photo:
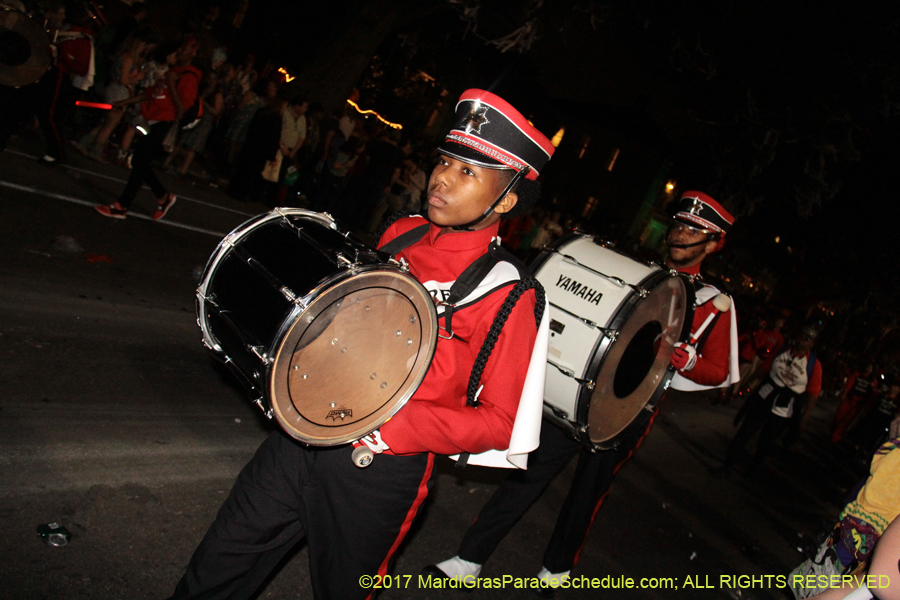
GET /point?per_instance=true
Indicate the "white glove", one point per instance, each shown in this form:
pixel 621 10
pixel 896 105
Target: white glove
pixel 374 442
pixel 684 357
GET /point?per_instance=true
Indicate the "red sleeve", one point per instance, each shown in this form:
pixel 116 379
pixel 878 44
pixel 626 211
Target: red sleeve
pixel 713 357
pixel 851 381
pixel 75 55
pixel 814 386
pixel 187 85
pixel 445 425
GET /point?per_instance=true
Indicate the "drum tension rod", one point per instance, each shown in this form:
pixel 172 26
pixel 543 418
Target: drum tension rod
pixel 617 280
pixel 612 334
pixel 570 373
pixel 266 411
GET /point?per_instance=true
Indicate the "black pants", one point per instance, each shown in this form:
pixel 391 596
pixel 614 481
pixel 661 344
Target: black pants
pixel 50 99
pixel 590 486
pixel 758 418
pixel 353 520
pixel 147 149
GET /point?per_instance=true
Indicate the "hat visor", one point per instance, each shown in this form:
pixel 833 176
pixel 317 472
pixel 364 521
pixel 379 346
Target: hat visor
pixel 696 222
pixel 470 156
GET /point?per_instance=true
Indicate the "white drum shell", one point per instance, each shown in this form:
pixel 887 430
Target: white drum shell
pixel 583 305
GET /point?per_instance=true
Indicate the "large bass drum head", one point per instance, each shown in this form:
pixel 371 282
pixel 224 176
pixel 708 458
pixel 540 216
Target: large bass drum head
pixel 353 357
pixel 634 371
pixel 24 49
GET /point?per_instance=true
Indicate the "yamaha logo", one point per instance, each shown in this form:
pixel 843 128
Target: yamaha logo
pixel 579 289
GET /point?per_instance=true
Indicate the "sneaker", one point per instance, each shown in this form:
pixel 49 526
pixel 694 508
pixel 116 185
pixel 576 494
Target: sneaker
pixel 164 206
pixel 113 211
pixel 96 153
pixel 48 160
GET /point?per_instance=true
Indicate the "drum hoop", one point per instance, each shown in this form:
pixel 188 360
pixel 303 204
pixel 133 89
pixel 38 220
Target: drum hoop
pixel 227 243
pixel 38 42
pixel 661 390
pixel 285 335
pixel 604 344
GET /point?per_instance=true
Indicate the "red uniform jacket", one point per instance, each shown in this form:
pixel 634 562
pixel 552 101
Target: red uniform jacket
pixel 437 419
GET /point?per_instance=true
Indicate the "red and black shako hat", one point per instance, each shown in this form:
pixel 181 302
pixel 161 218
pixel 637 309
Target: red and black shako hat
pixel 699 210
pixel 488 132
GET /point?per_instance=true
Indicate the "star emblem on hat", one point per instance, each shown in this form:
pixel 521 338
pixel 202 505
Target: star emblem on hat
pixel 696 207
pixel 476 119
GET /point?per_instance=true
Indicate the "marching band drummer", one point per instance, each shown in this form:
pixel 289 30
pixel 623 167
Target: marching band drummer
pixel 698 230
pixel 354 519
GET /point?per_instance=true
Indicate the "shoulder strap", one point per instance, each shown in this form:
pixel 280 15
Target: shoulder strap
pixel 708 331
pixel 528 283
pixel 405 240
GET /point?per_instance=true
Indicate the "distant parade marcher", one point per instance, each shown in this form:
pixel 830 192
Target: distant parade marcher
pixel 860 385
pixel 698 230
pixel 755 350
pixel 162 107
pixel 794 384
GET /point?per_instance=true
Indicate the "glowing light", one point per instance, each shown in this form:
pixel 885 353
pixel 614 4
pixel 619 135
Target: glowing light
pixel 101 105
pixel 287 76
pixel 372 112
pixel 669 187
pixel 777 239
pixel 558 137
pixel 612 160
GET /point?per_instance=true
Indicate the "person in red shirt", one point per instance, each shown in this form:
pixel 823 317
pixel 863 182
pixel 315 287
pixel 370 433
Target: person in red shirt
pixel 468 403
pixel 162 106
pixel 860 385
pixel 756 348
pixel 698 230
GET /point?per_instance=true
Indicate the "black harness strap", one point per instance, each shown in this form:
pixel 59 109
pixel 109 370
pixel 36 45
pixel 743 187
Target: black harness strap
pixel 405 240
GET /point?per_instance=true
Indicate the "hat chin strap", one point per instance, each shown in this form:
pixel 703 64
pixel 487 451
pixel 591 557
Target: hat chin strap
pixel 468 226
pixel 683 246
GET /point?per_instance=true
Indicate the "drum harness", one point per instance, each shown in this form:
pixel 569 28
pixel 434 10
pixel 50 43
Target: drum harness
pixel 464 285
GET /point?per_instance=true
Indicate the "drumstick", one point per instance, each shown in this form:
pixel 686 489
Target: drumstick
pixel 362 455
pixel 85 104
pixel 721 303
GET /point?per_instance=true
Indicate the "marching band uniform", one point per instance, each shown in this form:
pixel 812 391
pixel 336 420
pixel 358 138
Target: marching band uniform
pixel 715 364
pixel 354 519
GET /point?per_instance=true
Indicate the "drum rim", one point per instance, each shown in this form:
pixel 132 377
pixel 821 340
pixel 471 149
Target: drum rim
pixel 604 345
pixel 289 334
pixel 39 66
pixel 650 406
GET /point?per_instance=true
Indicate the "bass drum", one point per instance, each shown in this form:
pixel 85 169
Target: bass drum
pixel 330 336
pixel 24 48
pixel 614 324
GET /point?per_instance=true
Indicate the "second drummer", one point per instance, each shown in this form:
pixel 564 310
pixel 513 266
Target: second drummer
pixel 698 230
pixel 470 402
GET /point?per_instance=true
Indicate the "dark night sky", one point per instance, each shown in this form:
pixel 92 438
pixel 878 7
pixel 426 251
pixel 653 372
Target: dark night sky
pixel 785 111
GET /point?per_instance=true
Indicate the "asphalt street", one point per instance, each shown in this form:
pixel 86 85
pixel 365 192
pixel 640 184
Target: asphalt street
pixel 117 423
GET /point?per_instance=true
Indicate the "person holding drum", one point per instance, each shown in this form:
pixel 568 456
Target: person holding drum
pixel 708 360
pixel 483 385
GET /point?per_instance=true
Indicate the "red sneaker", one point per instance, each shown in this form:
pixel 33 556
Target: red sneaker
pixel 113 211
pixel 164 207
